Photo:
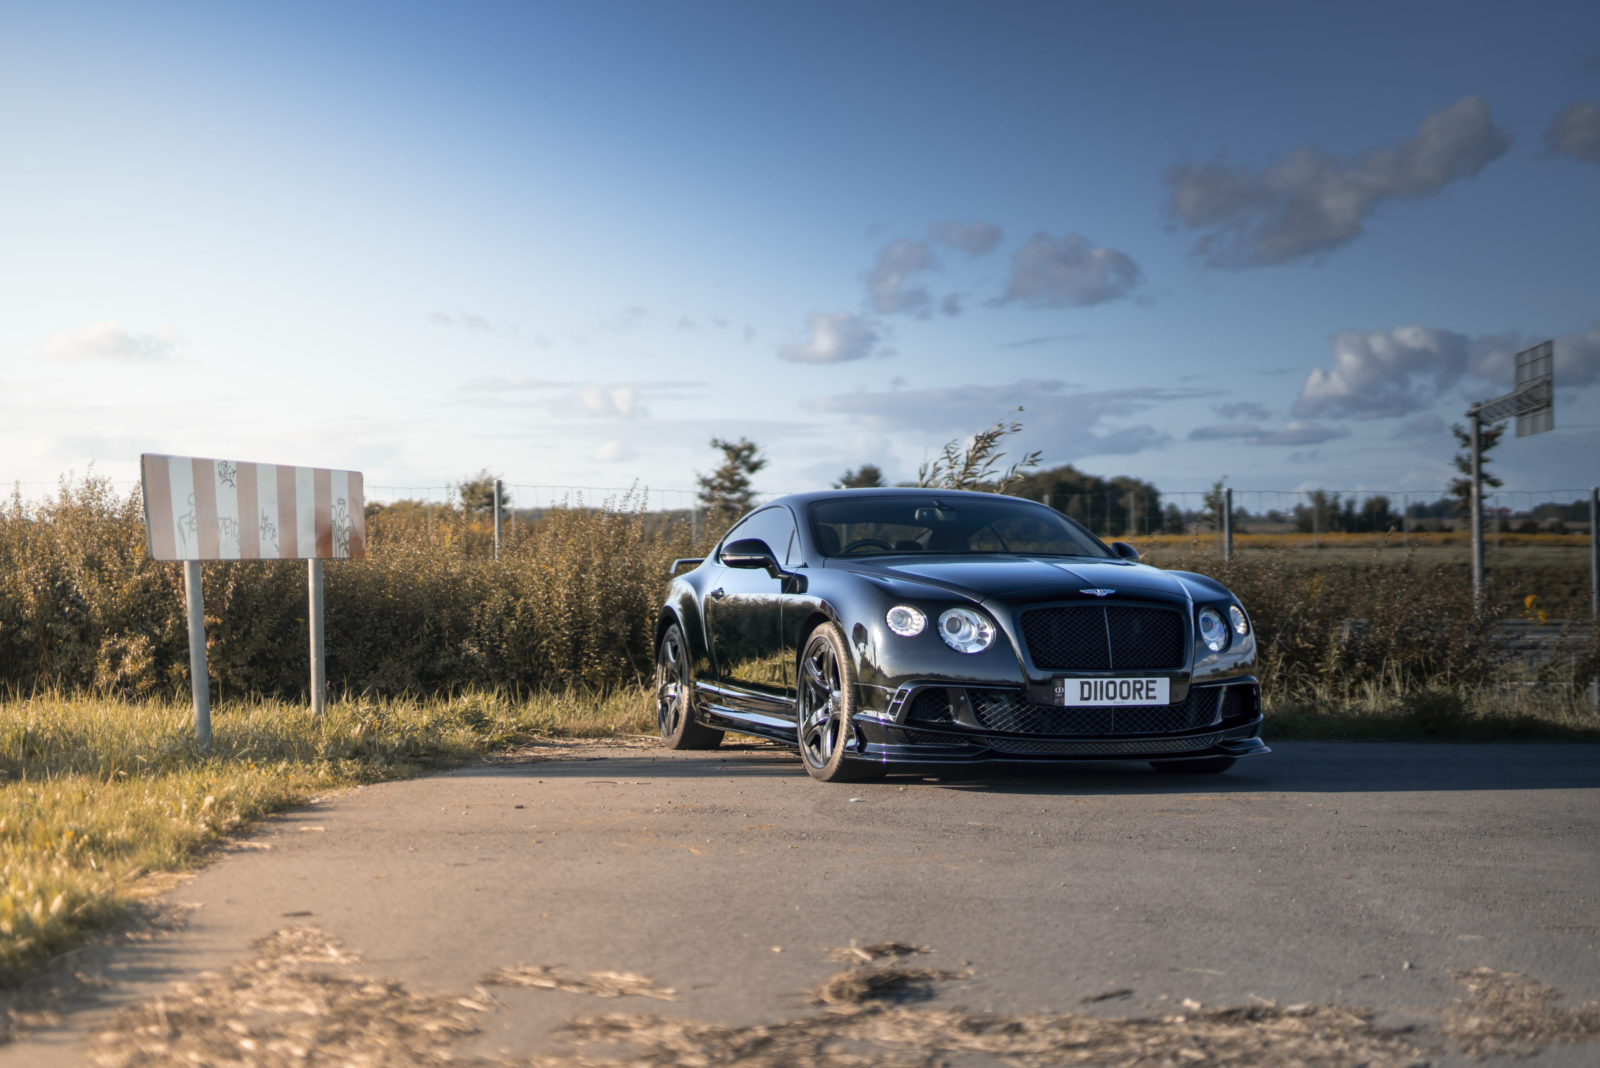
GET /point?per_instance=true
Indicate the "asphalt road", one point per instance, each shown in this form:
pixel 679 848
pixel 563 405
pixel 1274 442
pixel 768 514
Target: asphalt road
pixel 1329 876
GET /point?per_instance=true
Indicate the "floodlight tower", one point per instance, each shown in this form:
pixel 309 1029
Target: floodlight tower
pixel 1533 405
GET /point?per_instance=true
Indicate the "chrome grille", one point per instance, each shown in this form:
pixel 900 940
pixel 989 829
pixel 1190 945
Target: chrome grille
pixel 1005 710
pixel 1106 637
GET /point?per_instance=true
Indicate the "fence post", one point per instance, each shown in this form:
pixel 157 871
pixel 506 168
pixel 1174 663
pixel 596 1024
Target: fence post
pixel 1594 580
pixel 319 645
pixel 1594 553
pixel 497 519
pixel 1405 520
pixel 1227 524
pixel 199 676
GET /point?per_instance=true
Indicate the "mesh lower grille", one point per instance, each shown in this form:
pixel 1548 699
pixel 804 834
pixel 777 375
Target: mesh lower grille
pixel 1105 748
pixel 1104 638
pixel 931 706
pixel 1004 710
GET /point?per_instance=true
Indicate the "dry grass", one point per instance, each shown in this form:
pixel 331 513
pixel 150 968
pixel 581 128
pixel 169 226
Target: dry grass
pixel 571 602
pixel 95 794
pixel 299 997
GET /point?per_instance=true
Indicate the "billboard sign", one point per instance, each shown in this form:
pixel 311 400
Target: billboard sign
pixel 200 509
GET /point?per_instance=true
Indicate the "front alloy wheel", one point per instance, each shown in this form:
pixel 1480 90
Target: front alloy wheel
pixel 675 697
pixel 825 707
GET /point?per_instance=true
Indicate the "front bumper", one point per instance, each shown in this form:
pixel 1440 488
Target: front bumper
pixel 943 725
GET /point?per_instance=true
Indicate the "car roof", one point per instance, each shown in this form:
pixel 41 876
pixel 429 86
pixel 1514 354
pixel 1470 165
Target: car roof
pixel 796 500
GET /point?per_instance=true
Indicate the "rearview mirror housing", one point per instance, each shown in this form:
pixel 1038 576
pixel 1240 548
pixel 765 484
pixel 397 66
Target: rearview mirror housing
pixel 750 553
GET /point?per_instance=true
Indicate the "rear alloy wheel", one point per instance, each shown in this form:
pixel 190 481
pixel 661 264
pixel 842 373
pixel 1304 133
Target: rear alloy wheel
pixel 825 708
pixel 675 697
pixel 1197 766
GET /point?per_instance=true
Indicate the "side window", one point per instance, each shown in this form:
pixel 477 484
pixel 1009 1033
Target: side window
pixel 775 526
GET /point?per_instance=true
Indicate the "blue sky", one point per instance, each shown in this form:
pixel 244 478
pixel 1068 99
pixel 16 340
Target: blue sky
pixel 1286 244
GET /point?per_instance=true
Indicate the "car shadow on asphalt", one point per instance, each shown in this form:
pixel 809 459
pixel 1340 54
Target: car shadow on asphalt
pixel 1300 767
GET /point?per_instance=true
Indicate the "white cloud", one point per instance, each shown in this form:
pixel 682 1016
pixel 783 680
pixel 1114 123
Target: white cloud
pixel 1309 202
pixel 1420 427
pixel 1381 373
pixel 833 339
pixel 1069 272
pixel 108 341
pixel 610 402
pixel 1294 433
pixel 598 400
pixel 1063 421
pixel 473 321
pixel 889 288
pixel 1575 132
pixel 1243 410
pixel 613 451
pixel 973 238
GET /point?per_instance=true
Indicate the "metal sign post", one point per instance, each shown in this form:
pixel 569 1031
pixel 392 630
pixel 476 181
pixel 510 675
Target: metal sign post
pixel 1533 405
pixel 197 509
pixel 199 677
pixel 319 670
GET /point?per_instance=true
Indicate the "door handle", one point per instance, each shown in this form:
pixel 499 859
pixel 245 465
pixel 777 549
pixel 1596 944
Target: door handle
pixel 718 594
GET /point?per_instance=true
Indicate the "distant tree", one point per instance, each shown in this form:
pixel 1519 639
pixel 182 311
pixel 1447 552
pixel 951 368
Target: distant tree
pixel 476 494
pixel 973 467
pixel 1376 515
pixel 1320 513
pixel 725 493
pixel 863 476
pixel 1111 506
pixel 1461 487
pixel 1214 502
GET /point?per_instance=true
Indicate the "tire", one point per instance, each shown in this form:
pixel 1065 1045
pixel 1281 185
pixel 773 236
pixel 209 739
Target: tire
pixel 825 706
pixel 1197 766
pixel 675 696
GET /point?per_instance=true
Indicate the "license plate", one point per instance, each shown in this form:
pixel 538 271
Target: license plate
pixel 1101 693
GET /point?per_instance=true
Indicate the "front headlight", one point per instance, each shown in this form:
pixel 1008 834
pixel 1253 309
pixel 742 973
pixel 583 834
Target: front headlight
pixel 1213 631
pixel 966 631
pixel 1241 626
pixel 905 620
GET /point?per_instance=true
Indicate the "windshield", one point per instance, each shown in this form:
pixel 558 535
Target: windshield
pixel 867 526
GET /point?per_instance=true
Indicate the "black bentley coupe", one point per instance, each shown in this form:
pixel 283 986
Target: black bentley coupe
pixel 883 627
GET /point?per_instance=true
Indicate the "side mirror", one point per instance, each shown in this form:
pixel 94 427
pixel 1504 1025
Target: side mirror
pixel 751 553
pixel 1126 551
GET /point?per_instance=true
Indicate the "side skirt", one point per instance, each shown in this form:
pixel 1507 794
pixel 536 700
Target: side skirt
pixel 718 708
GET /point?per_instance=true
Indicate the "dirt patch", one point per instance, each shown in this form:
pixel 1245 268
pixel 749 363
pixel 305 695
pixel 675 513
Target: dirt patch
pixel 301 1000
pixel 600 984
pixel 1509 1013
pixel 287 1005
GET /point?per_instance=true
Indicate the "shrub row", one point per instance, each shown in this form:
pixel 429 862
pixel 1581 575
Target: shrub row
pixel 429 610
pixel 571 601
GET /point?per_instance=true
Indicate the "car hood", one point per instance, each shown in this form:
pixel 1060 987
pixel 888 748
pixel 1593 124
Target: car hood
pixel 1023 579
